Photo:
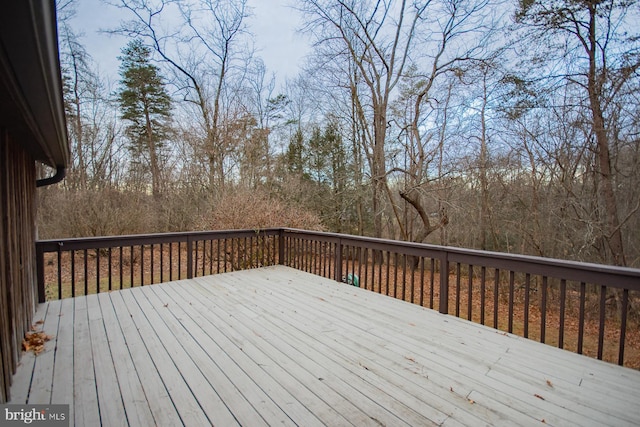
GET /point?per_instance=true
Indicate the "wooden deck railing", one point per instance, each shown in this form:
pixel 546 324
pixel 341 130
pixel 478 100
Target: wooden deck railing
pixel 73 267
pixel 586 308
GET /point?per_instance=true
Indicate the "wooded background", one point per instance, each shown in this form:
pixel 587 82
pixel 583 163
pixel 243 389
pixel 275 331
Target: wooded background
pixel 502 125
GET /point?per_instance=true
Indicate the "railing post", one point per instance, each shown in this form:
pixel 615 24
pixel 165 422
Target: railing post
pixel 40 273
pixel 281 259
pixel 337 268
pixel 444 283
pixel 189 257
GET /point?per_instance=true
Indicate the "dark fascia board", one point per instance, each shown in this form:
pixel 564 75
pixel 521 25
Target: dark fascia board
pixel 31 100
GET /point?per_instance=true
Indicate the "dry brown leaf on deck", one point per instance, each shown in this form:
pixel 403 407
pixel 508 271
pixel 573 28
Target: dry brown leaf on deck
pixel 34 341
pixel 539 397
pixel 549 383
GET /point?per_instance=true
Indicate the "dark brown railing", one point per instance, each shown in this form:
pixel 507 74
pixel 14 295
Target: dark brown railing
pixel 74 267
pixel 587 308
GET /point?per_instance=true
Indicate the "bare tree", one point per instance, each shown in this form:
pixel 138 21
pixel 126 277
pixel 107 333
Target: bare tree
pixel 601 57
pixel 203 50
pixel 91 117
pixel 377 45
pixel 459 38
pixel 377 38
pixel 75 63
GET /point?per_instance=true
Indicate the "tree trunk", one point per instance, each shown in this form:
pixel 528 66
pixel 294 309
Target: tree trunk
pixel 379 172
pixel 153 157
pixel 613 232
pixel 484 183
pixel 81 169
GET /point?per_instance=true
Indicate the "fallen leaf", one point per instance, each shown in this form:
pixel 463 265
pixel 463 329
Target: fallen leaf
pixel 539 397
pixel 549 383
pixel 472 401
pixel 411 359
pixel 34 341
pixel 451 389
pixel 543 421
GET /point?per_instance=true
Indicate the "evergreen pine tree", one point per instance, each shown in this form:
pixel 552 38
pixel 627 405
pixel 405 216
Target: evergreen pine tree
pixel 294 155
pixel 146 105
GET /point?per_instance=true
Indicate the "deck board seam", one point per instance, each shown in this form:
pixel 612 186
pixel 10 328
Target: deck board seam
pixel 353 370
pixel 340 355
pixel 585 406
pixel 344 398
pixel 194 345
pixel 218 325
pixel 134 308
pixel 126 323
pixel 321 307
pixel 231 358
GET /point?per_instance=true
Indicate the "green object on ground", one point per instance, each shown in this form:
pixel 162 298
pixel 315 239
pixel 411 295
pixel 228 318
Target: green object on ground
pixel 352 279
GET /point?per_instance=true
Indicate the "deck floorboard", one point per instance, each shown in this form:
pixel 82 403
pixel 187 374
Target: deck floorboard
pixel 85 394
pixel 62 387
pixel 280 346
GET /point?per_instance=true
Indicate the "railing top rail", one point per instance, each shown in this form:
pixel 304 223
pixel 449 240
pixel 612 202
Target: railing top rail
pixel 101 242
pixel 621 277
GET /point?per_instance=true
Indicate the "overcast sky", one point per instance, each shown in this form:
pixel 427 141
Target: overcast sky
pixel 273 23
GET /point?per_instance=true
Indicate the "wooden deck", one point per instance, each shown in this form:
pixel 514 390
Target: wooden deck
pixel 279 346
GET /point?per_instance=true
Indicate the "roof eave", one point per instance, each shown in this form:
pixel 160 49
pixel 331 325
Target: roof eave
pixel 31 78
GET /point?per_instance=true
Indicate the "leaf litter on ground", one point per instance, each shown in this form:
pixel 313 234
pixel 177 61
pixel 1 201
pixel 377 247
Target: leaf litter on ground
pixel 35 340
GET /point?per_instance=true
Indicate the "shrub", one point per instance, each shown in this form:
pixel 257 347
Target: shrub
pixel 253 209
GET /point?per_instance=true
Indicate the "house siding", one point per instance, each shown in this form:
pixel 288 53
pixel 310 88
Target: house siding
pixel 18 294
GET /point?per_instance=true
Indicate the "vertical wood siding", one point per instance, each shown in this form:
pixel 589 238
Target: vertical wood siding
pixel 17 254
